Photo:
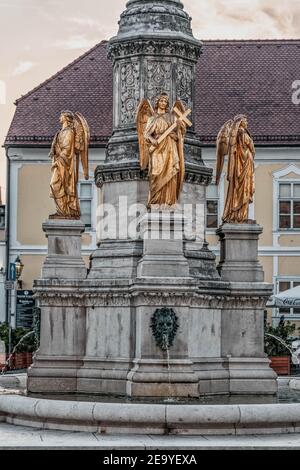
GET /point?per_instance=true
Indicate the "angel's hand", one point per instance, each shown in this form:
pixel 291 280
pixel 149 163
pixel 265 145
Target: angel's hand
pixel 154 142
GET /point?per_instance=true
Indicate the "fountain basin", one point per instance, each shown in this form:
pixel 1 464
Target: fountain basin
pixel 159 419
pixel 294 384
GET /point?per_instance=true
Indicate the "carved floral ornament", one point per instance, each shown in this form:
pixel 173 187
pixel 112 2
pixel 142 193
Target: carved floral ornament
pixel 130 74
pixel 113 176
pixel 119 50
pixel 92 299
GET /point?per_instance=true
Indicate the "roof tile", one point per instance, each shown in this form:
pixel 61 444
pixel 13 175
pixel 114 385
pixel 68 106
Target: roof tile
pixel 233 77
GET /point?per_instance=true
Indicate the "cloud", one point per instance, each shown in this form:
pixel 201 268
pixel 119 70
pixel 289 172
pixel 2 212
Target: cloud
pixel 245 19
pixel 76 42
pixel 23 67
pixel 80 21
pixel 2 92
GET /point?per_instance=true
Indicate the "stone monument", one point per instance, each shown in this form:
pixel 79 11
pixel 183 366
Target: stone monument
pixel 152 317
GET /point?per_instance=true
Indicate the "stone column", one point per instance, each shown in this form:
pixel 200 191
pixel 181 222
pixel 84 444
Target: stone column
pixel 239 253
pixel 163 233
pixel 242 324
pixel 64 260
pixel 154 52
pixel 63 313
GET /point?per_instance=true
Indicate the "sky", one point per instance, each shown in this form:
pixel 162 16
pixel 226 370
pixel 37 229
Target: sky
pixel 39 37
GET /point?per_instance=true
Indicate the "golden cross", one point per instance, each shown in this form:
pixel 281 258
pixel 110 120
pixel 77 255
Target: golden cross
pixel 181 117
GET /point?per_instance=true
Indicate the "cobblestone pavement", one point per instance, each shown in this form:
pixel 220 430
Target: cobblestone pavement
pixel 19 437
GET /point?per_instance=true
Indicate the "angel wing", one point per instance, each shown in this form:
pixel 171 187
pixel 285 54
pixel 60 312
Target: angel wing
pixel 144 112
pixel 223 147
pixel 180 106
pixel 82 138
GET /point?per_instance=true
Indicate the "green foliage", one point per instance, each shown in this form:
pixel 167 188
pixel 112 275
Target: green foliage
pixel 285 330
pixel 28 344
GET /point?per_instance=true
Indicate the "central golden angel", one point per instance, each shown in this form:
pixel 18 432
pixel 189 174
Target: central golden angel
pixel 161 140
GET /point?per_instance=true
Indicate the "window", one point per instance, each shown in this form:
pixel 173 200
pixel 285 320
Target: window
pixel 212 207
pixel 86 196
pixel 2 217
pixel 284 285
pixel 289 206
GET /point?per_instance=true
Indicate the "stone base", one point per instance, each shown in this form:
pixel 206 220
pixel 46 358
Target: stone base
pixel 53 375
pixel 116 259
pixel 235 376
pixel 162 378
pixel 239 253
pixel 162 232
pixel 64 260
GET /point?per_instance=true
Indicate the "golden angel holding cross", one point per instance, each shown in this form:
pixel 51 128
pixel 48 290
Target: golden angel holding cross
pixel 161 140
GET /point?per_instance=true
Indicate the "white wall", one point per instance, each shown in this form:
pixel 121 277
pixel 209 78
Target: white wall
pixel 2 283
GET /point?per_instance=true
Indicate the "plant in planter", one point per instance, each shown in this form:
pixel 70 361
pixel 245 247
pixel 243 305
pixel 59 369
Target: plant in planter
pixel 23 343
pixel 278 345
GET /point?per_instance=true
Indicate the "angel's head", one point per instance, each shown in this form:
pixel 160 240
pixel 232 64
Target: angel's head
pixel 162 103
pixel 66 117
pixel 243 120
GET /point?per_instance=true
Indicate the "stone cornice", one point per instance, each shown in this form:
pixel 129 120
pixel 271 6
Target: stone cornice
pixel 161 47
pixel 183 297
pixel 131 172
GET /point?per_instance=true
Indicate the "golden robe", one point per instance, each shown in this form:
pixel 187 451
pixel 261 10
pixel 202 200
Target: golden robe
pixel 241 179
pixel 64 174
pixel 166 164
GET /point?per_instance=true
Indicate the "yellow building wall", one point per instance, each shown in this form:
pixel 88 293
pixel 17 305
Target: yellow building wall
pixel 33 267
pixel 213 240
pixel 292 240
pixel 267 264
pixel 289 266
pixel 34 203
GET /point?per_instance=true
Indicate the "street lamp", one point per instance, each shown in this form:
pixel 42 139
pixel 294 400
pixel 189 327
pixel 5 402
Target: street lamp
pixel 19 267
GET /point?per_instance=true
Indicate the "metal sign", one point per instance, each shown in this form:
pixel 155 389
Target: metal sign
pixel 25 308
pixel 12 272
pixel 9 285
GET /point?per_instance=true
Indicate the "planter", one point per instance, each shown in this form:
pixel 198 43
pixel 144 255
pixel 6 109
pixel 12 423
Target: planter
pixel 281 364
pixel 29 359
pixel 21 360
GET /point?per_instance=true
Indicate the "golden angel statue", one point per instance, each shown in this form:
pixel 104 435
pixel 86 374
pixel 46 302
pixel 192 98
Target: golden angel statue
pixel 235 140
pixel 69 146
pixel 161 140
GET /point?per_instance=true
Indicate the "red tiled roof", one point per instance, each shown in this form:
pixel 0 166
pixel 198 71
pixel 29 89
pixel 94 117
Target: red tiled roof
pixel 250 77
pixel 253 78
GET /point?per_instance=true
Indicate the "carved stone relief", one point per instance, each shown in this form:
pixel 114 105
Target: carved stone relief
pixel 184 84
pixel 130 95
pixel 159 78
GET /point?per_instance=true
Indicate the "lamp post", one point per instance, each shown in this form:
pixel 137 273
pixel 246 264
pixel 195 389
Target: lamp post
pixel 18 269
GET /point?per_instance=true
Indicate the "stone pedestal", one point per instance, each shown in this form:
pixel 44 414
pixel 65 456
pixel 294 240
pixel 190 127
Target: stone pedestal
pixel 64 260
pixel 63 319
pixel 162 233
pixel 243 312
pixel 239 253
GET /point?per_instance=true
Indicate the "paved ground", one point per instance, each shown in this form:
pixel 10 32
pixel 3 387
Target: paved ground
pixel 17 437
